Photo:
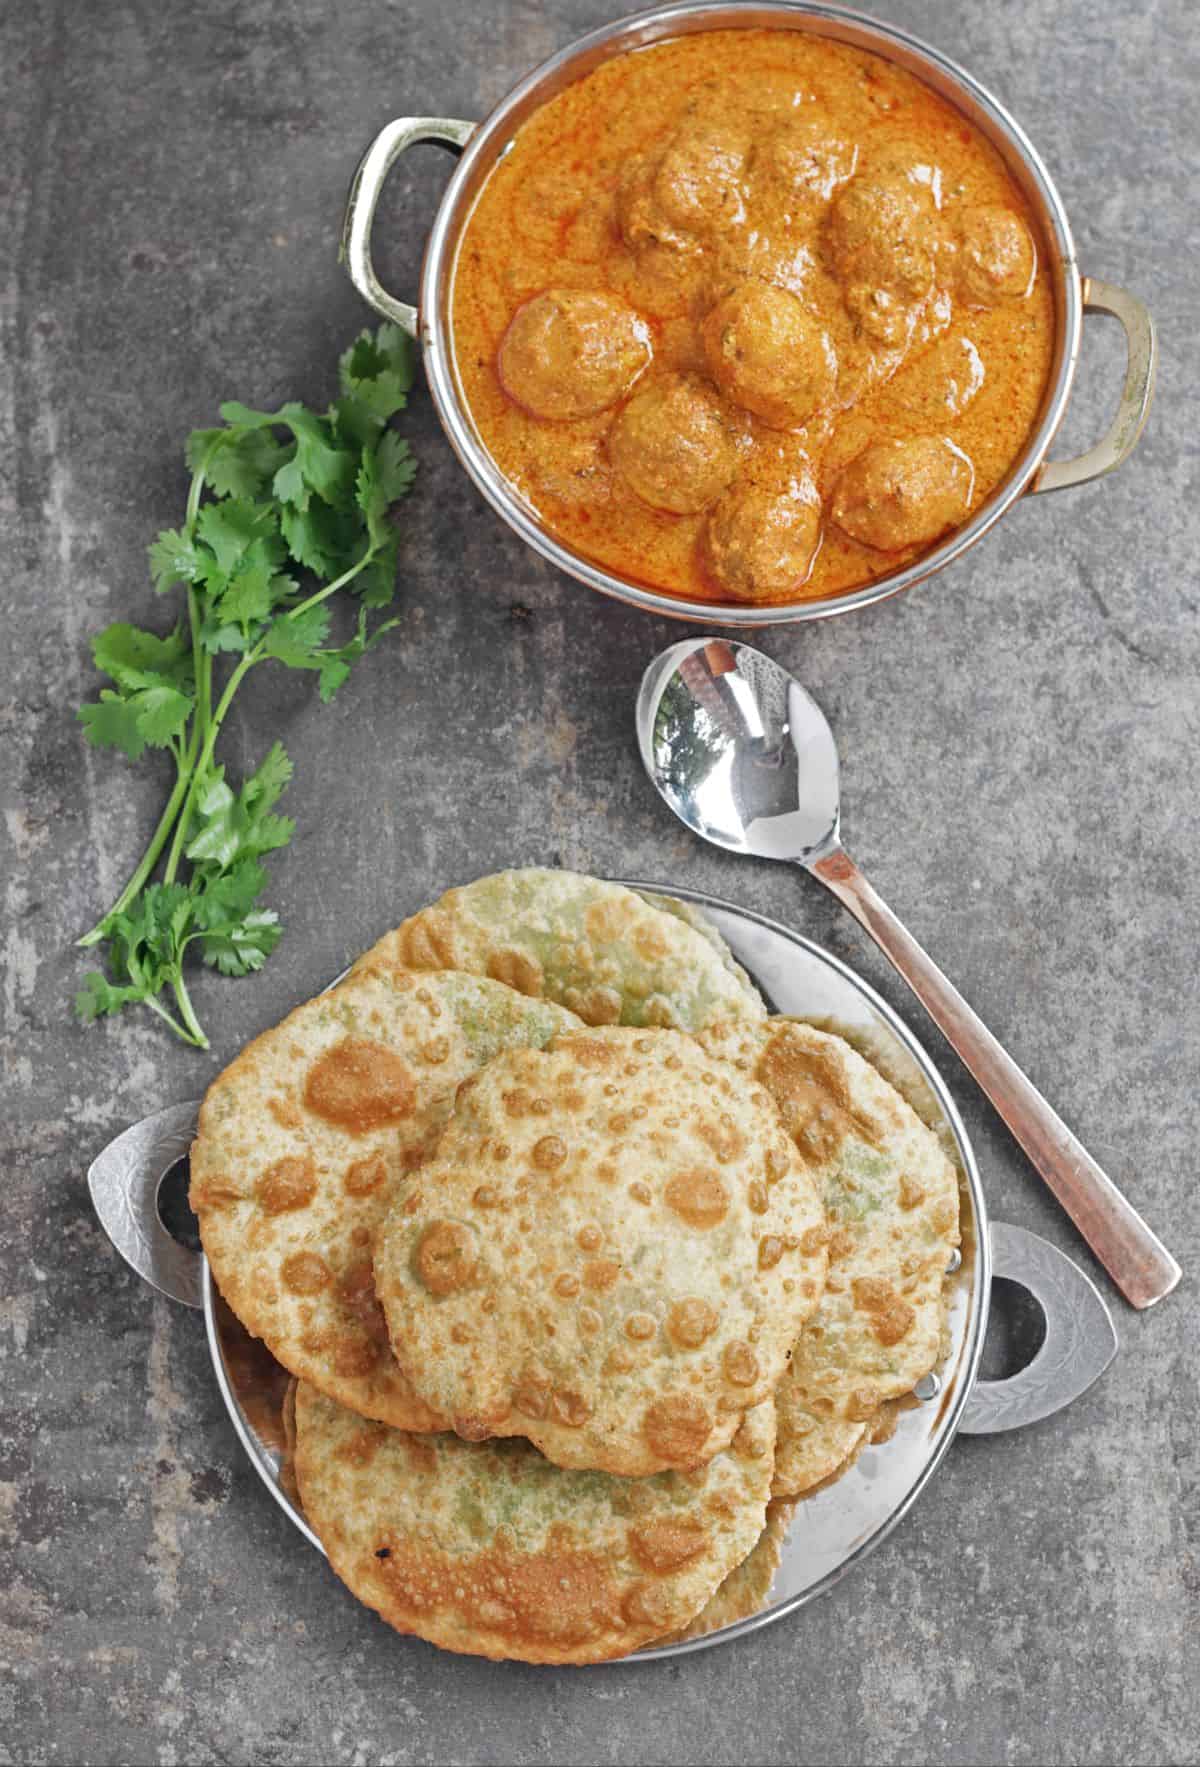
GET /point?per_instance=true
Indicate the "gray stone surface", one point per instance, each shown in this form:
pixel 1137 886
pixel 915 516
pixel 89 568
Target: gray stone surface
pixel 1020 743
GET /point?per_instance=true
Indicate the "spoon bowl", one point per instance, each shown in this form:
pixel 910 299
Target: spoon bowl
pixel 746 759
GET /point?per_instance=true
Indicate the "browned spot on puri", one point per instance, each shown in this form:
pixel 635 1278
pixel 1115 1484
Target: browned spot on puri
pixel 910 1192
pixel 516 969
pixel 740 1364
pixel 559 1596
pixel 291 1183
pixel 213 1191
pixel 427 941
pixel 599 1274
pixel 361 1448
pixel 595 1006
pixel 699 1198
pixel 570 1408
pixel 446 1257
pixel 589 1239
pixel 810 1088
pixel 640 1327
pixel 285 1113
pixel 566 1285
pixel 664 1546
pixel 305 1273
pixel 549 1153
pixel 436 1051
pixel 531 1395
pixel 360 1086
pixel 587 1052
pixel 648 1604
pixel 770 1250
pixel 364 1176
pixel 354 1356
pixel 891 1316
pixel 357 1291
pixel 677 1428
pixel 691 1322
pixel 757 1197
pixel 722 1136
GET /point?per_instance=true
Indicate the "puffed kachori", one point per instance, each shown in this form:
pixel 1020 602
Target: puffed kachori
pixel 302 1143
pixel 489 1549
pixel 611 1252
pixel 746 1588
pixel 597 948
pixel 891 1197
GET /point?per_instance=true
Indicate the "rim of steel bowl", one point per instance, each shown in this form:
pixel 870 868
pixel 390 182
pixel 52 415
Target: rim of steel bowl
pixel 492 140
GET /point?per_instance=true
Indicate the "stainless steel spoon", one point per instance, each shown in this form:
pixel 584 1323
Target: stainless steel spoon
pixel 744 756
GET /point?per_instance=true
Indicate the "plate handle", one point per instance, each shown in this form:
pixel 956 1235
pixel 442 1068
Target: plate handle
pixel 368 182
pixel 124 1181
pixel 1080 1340
pixel 1136 395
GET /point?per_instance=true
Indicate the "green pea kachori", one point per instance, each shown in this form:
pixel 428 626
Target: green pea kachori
pixel 612 1253
pixel 599 949
pixel 302 1143
pixel 891 1197
pixel 487 1548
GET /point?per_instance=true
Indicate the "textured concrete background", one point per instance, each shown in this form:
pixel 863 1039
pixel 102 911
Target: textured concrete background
pixel 1020 742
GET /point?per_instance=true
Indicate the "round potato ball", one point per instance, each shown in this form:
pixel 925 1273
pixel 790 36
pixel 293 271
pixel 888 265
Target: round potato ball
pixel 767 354
pixel 673 444
pixel 904 493
pixel 570 353
pixel 881 233
pixel 997 259
pixel 762 534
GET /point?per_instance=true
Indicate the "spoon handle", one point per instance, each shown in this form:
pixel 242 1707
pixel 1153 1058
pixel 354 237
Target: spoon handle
pixel 1136 1259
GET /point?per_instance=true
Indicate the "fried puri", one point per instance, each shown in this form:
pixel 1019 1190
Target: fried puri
pixel 611 1253
pixel 489 1549
pixel 602 951
pixel 891 1198
pixel 304 1140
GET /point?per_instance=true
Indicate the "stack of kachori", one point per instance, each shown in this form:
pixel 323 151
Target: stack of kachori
pixel 585 1268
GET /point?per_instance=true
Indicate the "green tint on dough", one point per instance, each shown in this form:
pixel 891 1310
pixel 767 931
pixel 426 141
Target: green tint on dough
pixel 599 949
pixel 488 1549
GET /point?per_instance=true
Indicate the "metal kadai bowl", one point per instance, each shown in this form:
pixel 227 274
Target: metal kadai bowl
pixel 481 145
pixel 834 1528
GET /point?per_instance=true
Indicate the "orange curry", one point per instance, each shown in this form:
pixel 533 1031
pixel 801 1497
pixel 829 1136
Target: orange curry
pixel 752 316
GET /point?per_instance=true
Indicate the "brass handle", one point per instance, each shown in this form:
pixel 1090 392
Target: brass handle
pixel 368 182
pixel 1136 1259
pixel 1136 395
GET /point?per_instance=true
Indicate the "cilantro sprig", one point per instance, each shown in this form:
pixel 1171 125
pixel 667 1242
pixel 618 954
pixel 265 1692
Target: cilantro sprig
pixel 285 509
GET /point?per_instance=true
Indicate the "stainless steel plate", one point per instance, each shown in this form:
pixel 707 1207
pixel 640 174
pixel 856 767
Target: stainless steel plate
pixel 835 1528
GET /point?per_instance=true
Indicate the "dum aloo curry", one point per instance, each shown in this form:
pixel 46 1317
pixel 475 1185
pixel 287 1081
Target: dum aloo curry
pixel 752 315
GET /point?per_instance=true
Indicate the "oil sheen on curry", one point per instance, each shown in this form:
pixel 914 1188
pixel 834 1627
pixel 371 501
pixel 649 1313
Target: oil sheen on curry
pixel 752 316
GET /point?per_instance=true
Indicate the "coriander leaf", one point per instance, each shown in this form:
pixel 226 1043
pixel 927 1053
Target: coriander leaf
pixel 397 466
pixel 267 783
pixel 132 657
pixel 247 463
pixel 334 671
pixel 99 996
pixel 375 584
pixel 293 640
pixel 173 560
pixel 304 543
pixel 229 895
pixel 243 946
pixel 162 714
pixel 229 527
pixel 239 416
pixel 318 465
pixel 246 600
pixel 111 722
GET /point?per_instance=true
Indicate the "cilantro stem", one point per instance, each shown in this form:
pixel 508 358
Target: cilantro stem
pixel 187 1012
pixel 149 858
pixel 201 765
pixel 200 1042
pixel 332 588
